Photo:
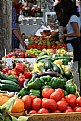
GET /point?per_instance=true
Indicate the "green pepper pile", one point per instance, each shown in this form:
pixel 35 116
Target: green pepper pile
pixel 36 84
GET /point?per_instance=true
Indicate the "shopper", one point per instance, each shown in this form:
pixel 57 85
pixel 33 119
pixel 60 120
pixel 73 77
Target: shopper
pixel 69 17
pixel 16 38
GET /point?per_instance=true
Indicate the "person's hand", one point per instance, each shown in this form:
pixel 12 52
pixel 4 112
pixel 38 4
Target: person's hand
pixel 61 37
pixel 23 44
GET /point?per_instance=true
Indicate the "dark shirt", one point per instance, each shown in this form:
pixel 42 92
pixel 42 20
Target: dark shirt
pixel 15 41
pixel 13 18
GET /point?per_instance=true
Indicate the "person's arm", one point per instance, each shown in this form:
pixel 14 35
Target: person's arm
pixel 16 33
pixel 76 32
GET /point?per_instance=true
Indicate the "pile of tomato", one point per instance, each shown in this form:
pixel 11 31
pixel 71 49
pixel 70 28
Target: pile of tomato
pixel 52 101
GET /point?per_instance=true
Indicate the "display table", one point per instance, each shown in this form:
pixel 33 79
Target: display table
pixel 29 29
pixel 9 60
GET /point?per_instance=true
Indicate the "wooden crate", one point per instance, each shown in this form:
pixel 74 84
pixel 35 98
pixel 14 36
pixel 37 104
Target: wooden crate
pixel 53 117
pixel 56 117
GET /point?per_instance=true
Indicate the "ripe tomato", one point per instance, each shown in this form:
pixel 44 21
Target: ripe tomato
pixel 32 112
pixel 33 97
pixel 5 70
pixel 78 101
pixel 63 99
pixel 43 110
pixel 56 111
pixel 27 101
pixel 62 105
pixel 69 110
pixel 49 104
pixel 46 92
pixel 71 99
pixel 61 91
pixel 68 107
pixel 56 96
pixel 36 103
pixel 75 107
pixel 78 109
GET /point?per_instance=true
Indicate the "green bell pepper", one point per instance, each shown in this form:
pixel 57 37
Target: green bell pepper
pixel 46 86
pixel 58 82
pixel 23 91
pixel 35 92
pixel 36 84
pixel 70 88
pixel 46 78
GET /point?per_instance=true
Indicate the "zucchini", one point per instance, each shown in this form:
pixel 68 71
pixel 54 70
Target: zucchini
pixel 56 69
pixel 42 54
pixel 8 82
pixel 3 76
pixel 43 57
pixel 7 77
pixel 9 87
pixel 48 65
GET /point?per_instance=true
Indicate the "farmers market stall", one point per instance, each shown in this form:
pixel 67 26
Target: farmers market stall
pixel 45 88
pixel 38 84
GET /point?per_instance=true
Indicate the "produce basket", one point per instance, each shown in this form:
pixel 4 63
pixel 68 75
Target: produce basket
pixel 54 117
pixel 57 117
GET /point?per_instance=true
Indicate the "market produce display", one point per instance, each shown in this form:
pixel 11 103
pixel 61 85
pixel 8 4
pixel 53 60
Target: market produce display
pixel 46 87
pixel 18 53
pixel 44 42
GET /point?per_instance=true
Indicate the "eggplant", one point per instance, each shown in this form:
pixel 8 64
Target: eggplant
pixel 51 73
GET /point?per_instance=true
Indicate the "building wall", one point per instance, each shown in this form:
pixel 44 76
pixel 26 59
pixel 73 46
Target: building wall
pixel 5 26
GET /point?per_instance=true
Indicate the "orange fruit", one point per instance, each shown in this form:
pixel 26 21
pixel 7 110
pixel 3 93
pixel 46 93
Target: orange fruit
pixel 18 106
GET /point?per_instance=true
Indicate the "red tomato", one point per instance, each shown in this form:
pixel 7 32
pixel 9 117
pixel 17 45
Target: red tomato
pixel 56 96
pixel 62 105
pixel 5 70
pixel 75 107
pixel 63 99
pixel 69 110
pixel 49 104
pixel 78 109
pixel 27 101
pixel 11 72
pixel 46 92
pixel 78 101
pixel 56 111
pixel 32 112
pixel 68 107
pixel 60 90
pixel 43 99
pixel 33 97
pixel 36 103
pixel 71 99
pixel 43 110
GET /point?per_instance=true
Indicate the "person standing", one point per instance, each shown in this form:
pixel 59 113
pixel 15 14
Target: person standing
pixel 16 37
pixel 69 17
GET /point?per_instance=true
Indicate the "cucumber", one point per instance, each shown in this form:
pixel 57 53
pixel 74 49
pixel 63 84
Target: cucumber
pixel 3 76
pixel 7 82
pixel 43 57
pixel 9 87
pixel 7 77
pixel 43 53
pixel 48 65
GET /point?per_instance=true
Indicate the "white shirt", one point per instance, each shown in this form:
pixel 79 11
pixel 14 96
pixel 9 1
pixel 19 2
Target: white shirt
pixel 69 27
